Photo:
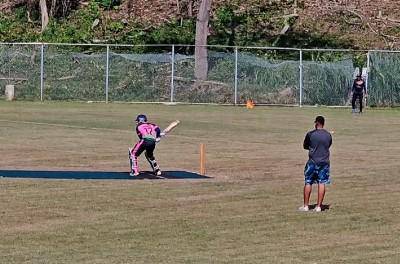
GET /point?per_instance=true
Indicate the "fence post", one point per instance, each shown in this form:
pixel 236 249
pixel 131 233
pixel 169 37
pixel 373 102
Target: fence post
pixel 368 71
pixel 301 79
pixel 41 71
pixel 236 74
pixel 172 72
pixel 107 71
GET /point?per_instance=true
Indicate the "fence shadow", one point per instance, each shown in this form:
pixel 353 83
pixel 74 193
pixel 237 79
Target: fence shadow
pixel 97 175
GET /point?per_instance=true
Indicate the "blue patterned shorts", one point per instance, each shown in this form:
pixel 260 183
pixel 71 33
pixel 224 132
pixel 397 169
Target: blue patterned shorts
pixel 314 173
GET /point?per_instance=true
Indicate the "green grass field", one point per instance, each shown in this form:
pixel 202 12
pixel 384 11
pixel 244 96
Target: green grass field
pixel 246 213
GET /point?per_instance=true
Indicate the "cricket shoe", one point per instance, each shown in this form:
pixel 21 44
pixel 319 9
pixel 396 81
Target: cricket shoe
pixel 304 209
pixel 317 209
pixel 133 174
pixel 158 172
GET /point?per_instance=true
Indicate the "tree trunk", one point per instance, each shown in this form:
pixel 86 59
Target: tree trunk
pixel 53 8
pixel 201 63
pixel 190 8
pixel 43 12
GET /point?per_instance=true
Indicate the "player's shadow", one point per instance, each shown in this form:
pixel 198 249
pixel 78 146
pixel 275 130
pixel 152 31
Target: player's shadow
pixel 324 207
pixel 97 175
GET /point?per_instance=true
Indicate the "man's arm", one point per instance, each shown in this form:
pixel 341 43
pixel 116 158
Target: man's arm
pixel 364 88
pixel 158 131
pixel 138 132
pixel 353 88
pixel 306 143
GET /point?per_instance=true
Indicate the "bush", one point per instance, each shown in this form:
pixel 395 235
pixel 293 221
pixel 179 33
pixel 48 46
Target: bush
pixel 108 4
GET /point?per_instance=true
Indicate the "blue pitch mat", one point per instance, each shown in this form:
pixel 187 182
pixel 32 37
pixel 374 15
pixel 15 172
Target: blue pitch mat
pixel 97 175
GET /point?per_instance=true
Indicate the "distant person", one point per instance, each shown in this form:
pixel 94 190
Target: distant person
pixel 149 134
pixel 317 142
pixel 358 91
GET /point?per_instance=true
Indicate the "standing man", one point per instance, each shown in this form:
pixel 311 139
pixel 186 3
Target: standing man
pixel 358 91
pixel 149 134
pixel 317 142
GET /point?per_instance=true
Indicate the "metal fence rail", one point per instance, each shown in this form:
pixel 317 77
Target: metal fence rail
pixel 165 73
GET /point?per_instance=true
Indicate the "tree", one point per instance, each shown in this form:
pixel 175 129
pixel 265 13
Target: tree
pixel 48 8
pixel 202 32
pixel 44 14
pixel 53 8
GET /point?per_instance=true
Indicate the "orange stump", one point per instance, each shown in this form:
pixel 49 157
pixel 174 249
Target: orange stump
pixel 202 159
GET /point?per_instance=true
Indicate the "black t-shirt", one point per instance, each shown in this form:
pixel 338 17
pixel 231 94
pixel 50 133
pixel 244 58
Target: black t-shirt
pixel 318 142
pixel 358 86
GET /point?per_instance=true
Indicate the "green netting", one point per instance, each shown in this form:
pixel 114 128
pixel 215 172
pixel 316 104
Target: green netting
pixel 20 66
pixel 74 75
pixel 327 78
pixel 268 80
pixel 140 77
pixel 219 86
pixel 266 76
pixel 384 79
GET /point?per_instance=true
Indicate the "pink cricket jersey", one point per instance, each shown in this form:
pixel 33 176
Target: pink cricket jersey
pixel 147 131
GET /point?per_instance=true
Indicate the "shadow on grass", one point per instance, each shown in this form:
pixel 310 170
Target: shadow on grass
pixel 324 207
pixel 97 175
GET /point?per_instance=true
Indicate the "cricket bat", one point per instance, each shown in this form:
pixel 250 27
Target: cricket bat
pixel 170 127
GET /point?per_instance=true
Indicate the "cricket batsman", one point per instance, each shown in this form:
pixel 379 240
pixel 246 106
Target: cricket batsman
pixel 149 134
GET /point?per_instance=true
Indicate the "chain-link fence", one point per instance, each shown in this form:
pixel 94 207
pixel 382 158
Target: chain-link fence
pixel 384 78
pixel 166 73
pixel 20 65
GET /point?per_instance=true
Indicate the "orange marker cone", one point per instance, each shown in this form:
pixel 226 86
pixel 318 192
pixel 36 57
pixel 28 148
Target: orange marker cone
pixel 250 104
